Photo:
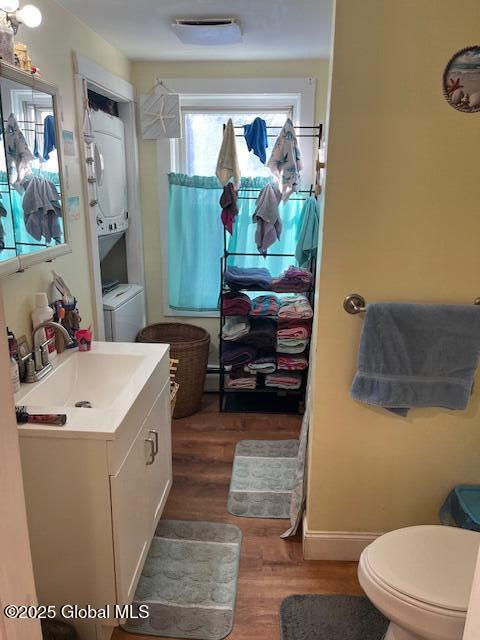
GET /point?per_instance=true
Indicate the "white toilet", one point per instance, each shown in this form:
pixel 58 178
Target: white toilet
pixel 420 579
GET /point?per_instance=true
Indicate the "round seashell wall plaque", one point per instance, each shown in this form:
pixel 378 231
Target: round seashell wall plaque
pixel 461 80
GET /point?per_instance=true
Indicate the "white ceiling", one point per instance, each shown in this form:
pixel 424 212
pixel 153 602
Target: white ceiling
pixel 272 29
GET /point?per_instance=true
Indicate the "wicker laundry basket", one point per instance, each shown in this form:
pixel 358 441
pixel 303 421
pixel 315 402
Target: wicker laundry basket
pixel 189 345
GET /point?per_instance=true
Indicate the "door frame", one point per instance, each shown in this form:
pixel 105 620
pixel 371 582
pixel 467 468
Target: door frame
pixel 90 75
pixel 17 584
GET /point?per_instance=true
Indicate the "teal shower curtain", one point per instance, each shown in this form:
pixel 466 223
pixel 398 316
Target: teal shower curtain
pixel 195 238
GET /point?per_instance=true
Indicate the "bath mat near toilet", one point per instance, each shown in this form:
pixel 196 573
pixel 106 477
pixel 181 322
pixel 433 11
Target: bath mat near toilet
pixel 263 477
pixel 189 581
pixel 315 617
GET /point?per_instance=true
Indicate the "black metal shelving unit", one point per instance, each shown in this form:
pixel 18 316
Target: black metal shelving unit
pixel 265 399
pixel 262 399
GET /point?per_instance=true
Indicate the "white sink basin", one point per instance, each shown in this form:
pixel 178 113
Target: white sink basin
pixel 97 378
pixel 110 378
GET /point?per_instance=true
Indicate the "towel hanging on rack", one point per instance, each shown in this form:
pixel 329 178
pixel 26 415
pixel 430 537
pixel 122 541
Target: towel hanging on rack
pixel 285 162
pixel 267 218
pixel 417 355
pixel 17 149
pixel 256 138
pixel 227 163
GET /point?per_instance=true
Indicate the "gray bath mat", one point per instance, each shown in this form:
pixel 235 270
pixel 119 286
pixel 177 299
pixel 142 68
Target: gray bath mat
pixel 262 478
pixel 331 618
pixel 189 581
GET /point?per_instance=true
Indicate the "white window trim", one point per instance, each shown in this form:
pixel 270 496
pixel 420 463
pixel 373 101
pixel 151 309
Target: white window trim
pixel 247 93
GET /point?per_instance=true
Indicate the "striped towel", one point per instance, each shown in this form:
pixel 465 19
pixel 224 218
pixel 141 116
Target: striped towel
pixel 267 305
pixel 291 380
pixel 292 363
pixel 296 306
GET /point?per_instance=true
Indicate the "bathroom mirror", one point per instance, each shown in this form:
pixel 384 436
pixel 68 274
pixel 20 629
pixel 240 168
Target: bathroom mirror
pixel 31 176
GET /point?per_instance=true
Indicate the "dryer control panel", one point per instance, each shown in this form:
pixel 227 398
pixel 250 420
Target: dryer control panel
pixel 111 225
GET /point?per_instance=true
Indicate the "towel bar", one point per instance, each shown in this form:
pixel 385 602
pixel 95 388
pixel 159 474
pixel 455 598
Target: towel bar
pixel 355 303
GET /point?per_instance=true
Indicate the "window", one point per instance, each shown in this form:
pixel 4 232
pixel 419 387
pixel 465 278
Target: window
pixel 189 193
pixel 203 131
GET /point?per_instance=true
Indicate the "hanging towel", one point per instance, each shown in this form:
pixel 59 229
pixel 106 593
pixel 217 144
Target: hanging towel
pixel 417 355
pixel 256 138
pixel 285 162
pixel 49 142
pixel 41 209
pixel 307 244
pixel 267 218
pixel 228 202
pixel 227 163
pixel 18 152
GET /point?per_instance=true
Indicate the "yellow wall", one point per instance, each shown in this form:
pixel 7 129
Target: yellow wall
pixel 51 47
pixel 143 77
pixel 401 223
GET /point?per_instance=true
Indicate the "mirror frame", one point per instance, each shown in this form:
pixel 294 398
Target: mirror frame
pixel 23 261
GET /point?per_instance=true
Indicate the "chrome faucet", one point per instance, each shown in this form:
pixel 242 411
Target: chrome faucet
pixel 40 363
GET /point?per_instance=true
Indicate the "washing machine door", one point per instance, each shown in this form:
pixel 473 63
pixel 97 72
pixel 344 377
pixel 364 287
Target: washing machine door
pixel 110 172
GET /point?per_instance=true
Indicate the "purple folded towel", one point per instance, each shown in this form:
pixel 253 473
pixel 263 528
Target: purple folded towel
pixel 237 354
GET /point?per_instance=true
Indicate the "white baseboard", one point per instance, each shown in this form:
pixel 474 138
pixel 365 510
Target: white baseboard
pixel 335 545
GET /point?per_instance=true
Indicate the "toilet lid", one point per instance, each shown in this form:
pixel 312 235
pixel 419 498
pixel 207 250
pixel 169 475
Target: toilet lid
pixel 431 564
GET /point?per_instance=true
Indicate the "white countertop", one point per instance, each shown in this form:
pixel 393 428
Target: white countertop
pixel 97 423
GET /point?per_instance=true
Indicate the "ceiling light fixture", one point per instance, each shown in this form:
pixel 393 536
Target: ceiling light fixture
pixel 9 6
pixel 30 16
pixel 207 31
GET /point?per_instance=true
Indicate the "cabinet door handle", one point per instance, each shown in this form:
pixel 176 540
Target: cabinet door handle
pixel 152 451
pixel 155 435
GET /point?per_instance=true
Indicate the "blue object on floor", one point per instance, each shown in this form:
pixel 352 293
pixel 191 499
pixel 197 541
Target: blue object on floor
pixel 462 507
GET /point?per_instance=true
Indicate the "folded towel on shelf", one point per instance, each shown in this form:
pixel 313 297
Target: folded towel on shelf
pixel 291 363
pixel 265 362
pixel 289 323
pixel 235 328
pixel 291 345
pixel 307 244
pixel 296 306
pixel 228 202
pixel 253 278
pixel 282 380
pixel 417 355
pixel 285 161
pixel 267 218
pixel 236 354
pixel 293 280
pixel 256 138
pixel 263 333
pixel 235 303
pixel 293 332
pixel 227 163
pixel 267 305
pixel 239 379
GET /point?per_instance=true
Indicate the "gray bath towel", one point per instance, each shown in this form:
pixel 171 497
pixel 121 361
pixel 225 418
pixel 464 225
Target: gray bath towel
pixel 417 355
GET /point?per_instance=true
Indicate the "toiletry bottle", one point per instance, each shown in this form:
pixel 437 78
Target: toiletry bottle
pixel 44 313
pixel 15 375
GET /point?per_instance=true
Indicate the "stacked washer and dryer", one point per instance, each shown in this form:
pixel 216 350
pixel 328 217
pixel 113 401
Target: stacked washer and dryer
pixel 123 303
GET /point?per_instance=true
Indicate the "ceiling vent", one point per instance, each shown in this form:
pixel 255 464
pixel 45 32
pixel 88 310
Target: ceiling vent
pixel 208 31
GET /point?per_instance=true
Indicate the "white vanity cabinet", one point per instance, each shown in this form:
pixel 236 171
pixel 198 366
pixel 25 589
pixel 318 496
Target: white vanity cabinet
pixel 94 498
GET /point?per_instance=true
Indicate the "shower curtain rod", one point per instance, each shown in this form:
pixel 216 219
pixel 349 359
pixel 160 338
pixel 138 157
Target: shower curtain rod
pixel 355 303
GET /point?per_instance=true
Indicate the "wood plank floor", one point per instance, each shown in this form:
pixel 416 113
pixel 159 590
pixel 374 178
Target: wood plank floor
pixel 270 568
